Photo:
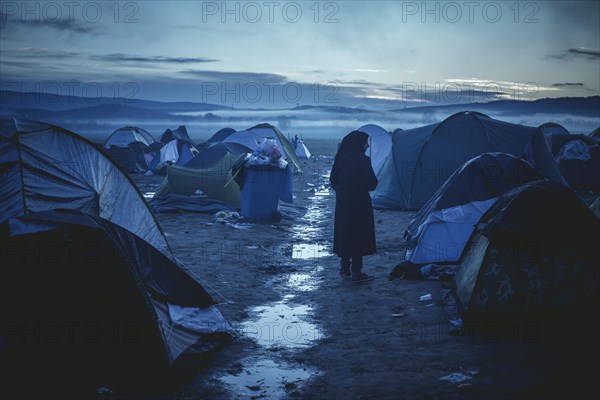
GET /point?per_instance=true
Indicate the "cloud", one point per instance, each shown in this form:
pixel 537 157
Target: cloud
pixel 593 54
pixel 120 57
pixel 36 52
pixel 238 77
pixel 61 25
pixel 567 84
pixel 576 53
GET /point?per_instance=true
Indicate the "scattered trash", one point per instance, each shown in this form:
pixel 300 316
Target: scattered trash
pixel 225 216
pixel 429 305
pixel 456 328
pixel 399 315
pixel 455 377
pixel 464 386
pixel 425 297
pixel 104 390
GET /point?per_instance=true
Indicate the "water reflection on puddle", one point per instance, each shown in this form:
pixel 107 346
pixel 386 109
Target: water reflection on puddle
pixel 268 379
pixel 304 282
pixel 282 325
pixel 305 251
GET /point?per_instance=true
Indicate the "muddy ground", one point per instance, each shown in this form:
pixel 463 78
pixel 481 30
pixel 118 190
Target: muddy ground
pixel 304 332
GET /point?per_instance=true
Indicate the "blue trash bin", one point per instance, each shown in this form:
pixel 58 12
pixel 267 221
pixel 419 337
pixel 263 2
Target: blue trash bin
pixel 263 186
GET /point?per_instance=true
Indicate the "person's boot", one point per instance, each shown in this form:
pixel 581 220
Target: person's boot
pixel 345 267
pixel 357 274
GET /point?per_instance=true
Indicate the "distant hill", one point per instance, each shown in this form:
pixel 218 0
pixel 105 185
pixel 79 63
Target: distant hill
pixel 584 106
pixel 334 109
pixel 52 102
pixel 105 111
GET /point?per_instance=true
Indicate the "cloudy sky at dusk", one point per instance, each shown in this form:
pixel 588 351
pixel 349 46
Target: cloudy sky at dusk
pixel 266 53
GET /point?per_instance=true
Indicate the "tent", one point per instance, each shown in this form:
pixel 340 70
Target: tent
pixel 301 150
pixel 214 182
pixel 441 228
pixel 213 152
pixel 577 157
pixel 45 167
pixel 423 158
pixel 128 134
pixel 90 304
pixel 176 151
pixel 252 137
pixel 132 148
pixel 180 134
pixel 533 254
pixel 221 134
pixel 579 162
pixel 380 144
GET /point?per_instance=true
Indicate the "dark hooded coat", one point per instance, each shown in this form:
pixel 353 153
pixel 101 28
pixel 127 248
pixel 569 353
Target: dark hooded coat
pixel 352 178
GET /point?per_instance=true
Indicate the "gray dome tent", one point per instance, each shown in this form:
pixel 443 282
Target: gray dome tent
pixel 45 167
pixel 423 158
pixel 132 148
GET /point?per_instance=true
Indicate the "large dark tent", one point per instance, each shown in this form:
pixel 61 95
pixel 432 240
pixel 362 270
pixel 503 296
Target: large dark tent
pixel 87 304
pixel 45 167
pixel 533 255
pixel 423 158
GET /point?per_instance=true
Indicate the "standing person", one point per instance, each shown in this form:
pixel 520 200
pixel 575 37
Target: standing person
pixel 352 178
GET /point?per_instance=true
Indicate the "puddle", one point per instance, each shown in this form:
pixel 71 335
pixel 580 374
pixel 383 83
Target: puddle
pixel 305 251
pixel 282 325
pixel 268 379
pixel 304 282
pixel 285 325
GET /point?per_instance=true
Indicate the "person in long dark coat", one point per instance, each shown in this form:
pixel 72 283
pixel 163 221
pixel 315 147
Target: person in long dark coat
pixel 352 178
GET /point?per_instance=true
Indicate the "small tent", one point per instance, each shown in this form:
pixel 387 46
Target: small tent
pixel 380 145
pixel 441 228
pixel 45 167
pixel 132 148
pixel 214 182
pixel 577 157
pixel 89 304
pixel 301 150
pixel 176 151
pixel 128 134
pixel 180 134
pixel 253 136
pixel 423 158
pixel 533 254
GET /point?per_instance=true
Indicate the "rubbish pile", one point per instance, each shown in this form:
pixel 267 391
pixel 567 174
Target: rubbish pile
pixel 267 153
